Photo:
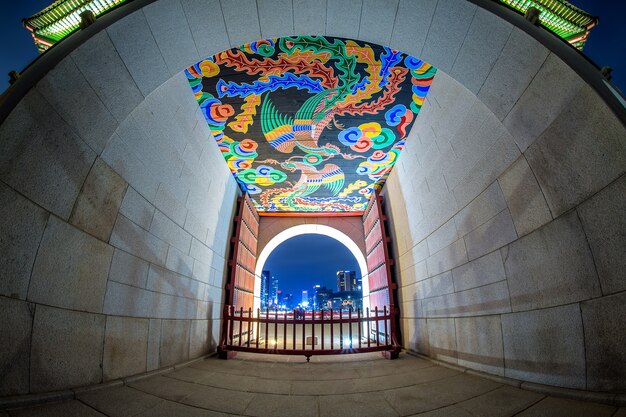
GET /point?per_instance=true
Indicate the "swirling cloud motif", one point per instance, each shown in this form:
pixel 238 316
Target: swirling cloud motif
pixel 215 112
pixel 242 154
pixel 367 136
pixel 204 68
pixel 263 176
pixel 400 117
pixel 264 47
pixel 377 165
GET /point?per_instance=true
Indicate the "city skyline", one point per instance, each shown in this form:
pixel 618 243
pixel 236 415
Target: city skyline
pixel 303 261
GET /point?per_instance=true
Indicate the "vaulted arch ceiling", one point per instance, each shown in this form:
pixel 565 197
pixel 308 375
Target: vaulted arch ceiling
pixel 310 123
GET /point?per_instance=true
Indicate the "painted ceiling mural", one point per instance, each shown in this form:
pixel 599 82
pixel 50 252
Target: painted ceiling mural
pixel 310 123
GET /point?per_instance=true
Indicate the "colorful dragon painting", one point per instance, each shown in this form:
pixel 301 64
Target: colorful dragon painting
pixel 310 123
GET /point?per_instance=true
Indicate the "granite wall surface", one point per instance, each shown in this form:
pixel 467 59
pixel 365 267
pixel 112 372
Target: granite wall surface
pixel 507 204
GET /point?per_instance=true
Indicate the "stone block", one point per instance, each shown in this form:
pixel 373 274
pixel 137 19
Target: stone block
pixel 125 300
pixel 172 203
pixel 71 269
pixel 276 18
pixel 154 344
pixel 474 131
pixel 174 346
pixel 309 18
pixel 128 269
pixel 16 322
pixel 481 48
pixel 492 235
pixel 523 56
pixel 201 252
pixel 137 209
pixel 99 201
pixel 168 282
pixel 125 347
pixel 20 234
pixel 417 336
pixel 545 346
pixel 241 27
pixel 41 156
pixel 485 300
pixel 201 271
pixel 411 26
pixel 168 231
pixel 524 198
pixel 484 207
pixel 415 255
pixel 486 170
pixel 135 240
pixel 66 349
pixel 171 32
pixel 199 338
pixel 377 20
pixel 582 151
pixel 605 338
pixel 180 262
pixel 437 285
pixel 68 92
pixel 98 60
pixel 144 135
pixel 548 95
pixel 479 344
pixel 442 340
pixel 481 271
pixel 442 237
pixel 450 23
pixel 449 257
pixel 343 18
pixel 207 27
pixel 198 227
pixel 122 159
pixel 551 266
pixel 135 44
pixel 604 223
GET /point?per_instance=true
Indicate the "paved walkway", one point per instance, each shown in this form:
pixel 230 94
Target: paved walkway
pixel 354 385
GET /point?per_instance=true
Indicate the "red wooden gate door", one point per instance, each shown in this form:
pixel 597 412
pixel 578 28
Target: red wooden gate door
pixel 382 291
pixel 240 285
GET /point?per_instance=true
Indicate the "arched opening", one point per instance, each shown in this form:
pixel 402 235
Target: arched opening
pixel 311 229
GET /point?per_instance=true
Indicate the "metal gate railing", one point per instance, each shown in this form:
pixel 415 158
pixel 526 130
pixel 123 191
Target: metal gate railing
pixel 325 332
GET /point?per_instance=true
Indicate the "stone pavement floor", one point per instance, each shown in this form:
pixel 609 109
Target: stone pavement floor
pixel 351 385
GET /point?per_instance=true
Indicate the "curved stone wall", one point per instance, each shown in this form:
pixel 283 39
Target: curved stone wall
pixel 116 206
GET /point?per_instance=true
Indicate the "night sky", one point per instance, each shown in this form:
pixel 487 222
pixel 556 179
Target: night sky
pixel 605 45
pixel 306 260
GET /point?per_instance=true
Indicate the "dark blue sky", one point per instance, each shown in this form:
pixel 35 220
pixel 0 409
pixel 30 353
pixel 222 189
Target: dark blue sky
pixel 605 45
pixel 306 260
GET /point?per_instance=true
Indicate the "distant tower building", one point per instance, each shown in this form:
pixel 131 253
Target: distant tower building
pixel 265 288
pixel 346 281
pixel 305 297
pixel 273 295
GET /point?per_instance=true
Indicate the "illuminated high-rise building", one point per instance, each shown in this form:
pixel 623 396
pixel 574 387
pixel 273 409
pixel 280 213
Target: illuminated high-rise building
pixel 265 288
pixel 273 295
pixel 346 281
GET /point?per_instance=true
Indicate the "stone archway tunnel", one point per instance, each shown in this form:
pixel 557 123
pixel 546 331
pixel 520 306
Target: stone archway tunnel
pixel 506 205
